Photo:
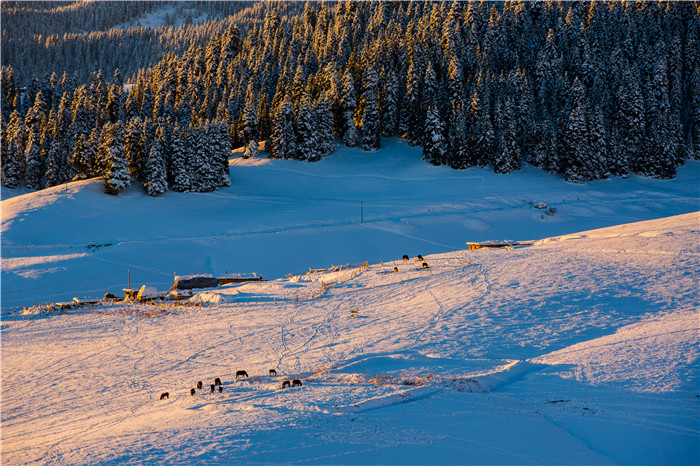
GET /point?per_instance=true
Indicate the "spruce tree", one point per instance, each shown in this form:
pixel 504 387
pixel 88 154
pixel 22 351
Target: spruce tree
pixel 35 124
pixel 179 164
pixel 111 150
pixel 307 135
pixel 389 105
pixel 348 104
pixel 283 136
pixel 156 176
pixel 455 149
pixel 630 125
pixel 370 115
pixel 134 148
pixel 508 153
pixel 13 169
pixel 324 117
pixel 433 142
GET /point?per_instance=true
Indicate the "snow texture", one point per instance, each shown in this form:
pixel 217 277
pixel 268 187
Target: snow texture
pixel 579 349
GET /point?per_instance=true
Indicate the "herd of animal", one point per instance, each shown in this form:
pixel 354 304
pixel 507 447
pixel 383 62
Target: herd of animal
pixel 239 374
pixel 273 372
pixel 419 258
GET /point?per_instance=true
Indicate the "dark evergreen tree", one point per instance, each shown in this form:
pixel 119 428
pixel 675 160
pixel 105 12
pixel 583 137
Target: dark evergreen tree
pixel 324 118
pixel 370 114
pixel 433 149
pixel 111 150
pixel 389 107
pixel 456 142
pixel 35 123
pixel 307 136
pixel 628 143
pixel 283 136
pixel 179 163
pixel 508 153
pixel 134 150
pixel 13 169
pixel 349 103
pixel 156 176
pixel 413 117
pixel 660 157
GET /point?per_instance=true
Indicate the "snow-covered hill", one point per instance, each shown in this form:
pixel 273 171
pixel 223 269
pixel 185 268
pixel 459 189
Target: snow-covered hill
pixel 579 349
pixel 285 216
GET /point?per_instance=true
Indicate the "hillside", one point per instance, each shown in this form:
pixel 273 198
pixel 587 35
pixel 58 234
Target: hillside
pixel 285 216
pixel 579 349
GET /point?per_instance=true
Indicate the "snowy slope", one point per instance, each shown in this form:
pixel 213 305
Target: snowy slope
pixel 285 216
pixel 580 349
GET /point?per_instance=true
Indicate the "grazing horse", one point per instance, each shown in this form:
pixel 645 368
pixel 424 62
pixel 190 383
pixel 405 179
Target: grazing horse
pixel 241 374
pixel 221 389
pixel 217 381
pixel 109 297
pixel 296 383
pixel 273 372
pixel 396 269
pixel 425 265
pixel 199 385
pixel 405 257
pixel 285 383
pixel 165 395
pixel 212 388
pixel 192 391
pixel 420 258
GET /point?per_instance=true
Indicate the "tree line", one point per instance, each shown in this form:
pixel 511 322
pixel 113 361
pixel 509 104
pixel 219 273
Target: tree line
pixel 584 89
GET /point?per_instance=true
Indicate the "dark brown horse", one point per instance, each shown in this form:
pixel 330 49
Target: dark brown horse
pixel 164 395
pixel 241 374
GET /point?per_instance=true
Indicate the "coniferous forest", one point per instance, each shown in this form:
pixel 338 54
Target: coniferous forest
pixel 583 89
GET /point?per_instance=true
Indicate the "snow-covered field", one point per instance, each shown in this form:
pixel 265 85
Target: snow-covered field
pixel 285 216
pixel 580 349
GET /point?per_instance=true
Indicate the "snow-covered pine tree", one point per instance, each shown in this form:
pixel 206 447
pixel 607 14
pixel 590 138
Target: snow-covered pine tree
pixel 324 117
pixel 508 153
pixel 251 149
pixel 349 104
pixel 433 139
pixel 220 151
pixel 35 123
pixel 599 144
pixel 578 150
pixel 389 105
pixel 156 176
pixel 370 114
pixel 283 137
pixel 14 167
pixel 413 118
pixel 203 161
pixel 630 121
pixel 660 157
pixel 180 175
pixel 250 117
pixel 455 147
pixel 307 135
pixel 111 150
pixel 585 140
pixel 134 148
